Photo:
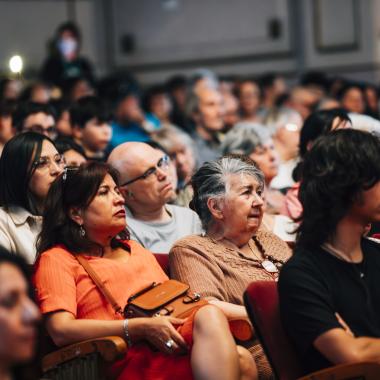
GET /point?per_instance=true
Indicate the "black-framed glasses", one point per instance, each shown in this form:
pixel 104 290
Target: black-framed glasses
pixel 38 128
pixel 163 164
pixel 46 162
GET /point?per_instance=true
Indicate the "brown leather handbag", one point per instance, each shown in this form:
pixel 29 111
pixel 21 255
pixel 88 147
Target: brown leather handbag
pixel 170 298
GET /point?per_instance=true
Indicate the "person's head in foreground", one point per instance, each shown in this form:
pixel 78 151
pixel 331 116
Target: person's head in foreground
pixel 18 316
pixel 329 290
pixel 90 222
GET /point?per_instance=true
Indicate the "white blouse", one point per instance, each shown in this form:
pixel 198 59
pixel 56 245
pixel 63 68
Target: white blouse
pixel 18 231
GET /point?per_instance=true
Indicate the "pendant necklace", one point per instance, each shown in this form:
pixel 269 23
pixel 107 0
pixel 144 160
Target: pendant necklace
pixel 339 255
pixel 269 263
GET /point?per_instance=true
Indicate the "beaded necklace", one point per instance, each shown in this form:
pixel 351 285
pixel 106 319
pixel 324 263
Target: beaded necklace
pixel 268 262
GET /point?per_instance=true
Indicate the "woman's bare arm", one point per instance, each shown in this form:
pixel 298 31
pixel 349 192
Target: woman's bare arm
pixel 65 329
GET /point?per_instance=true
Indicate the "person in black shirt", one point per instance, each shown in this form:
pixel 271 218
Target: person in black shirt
pixel 64 61
pixel 330 289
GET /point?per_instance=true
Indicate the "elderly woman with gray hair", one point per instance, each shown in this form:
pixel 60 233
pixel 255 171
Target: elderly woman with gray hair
pixel 254 140
pixel 234 250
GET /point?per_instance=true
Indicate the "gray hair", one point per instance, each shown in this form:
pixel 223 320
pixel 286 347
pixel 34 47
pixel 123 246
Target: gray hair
pixel 192 98
pixel 244 138
pixel 167 137
pixel 192 104
pixel 210 181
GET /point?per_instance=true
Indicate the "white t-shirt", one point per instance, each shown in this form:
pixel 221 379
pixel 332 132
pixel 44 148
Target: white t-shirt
pixel 159 237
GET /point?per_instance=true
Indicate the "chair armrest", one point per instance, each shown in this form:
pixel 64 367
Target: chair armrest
pixel 363 370
pixel 110 349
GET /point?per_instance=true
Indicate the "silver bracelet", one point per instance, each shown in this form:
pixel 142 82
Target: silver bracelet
pixel 126 333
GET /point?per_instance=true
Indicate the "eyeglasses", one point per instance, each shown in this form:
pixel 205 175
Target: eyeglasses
pixel 44 163
pixel 38 128
pixel 163 164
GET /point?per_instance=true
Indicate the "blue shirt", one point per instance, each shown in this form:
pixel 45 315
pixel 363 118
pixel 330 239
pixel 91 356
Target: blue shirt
pixel 129 132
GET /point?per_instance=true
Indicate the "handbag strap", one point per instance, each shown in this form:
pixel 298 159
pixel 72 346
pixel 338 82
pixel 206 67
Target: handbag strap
pixel 98 282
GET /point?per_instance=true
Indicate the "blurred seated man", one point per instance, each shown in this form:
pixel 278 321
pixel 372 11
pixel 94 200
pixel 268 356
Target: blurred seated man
pixel 91 128
pixel 231 111
pixel 330 288
pixel 181 149
pixel 206 110
pixel 147 188
pixel 35 117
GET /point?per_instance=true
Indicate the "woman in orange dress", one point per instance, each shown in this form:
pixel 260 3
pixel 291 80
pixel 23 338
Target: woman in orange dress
pixel 85 216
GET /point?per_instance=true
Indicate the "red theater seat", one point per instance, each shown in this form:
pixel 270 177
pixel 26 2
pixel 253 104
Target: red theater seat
pixel 261 301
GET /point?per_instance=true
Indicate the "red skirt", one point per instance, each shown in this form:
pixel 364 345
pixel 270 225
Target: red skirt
pixel 142 363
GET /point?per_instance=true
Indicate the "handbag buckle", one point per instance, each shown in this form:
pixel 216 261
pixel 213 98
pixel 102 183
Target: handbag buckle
pixel 190 298
pixel 165 311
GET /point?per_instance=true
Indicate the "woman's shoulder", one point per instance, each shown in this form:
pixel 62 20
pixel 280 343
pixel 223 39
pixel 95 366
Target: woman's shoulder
pixel 6 213
pixel 5 218
pixel 57 254
pixel 193 241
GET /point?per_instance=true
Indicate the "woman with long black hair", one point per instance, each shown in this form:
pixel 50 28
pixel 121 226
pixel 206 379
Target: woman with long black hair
pixel 28 165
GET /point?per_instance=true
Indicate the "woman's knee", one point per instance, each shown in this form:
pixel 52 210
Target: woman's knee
pixel 248 367
pixel 210 317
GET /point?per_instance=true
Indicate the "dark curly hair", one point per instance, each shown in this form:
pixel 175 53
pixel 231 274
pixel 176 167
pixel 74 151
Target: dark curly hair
pixel 337 169
pixel 315 125
pixel 75 187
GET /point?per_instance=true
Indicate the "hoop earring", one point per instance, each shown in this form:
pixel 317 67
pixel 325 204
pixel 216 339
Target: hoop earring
pixel 82 231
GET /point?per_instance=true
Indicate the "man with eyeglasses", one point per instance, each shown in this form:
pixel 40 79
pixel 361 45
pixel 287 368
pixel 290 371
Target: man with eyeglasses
pixel 35 117
pixel 147 188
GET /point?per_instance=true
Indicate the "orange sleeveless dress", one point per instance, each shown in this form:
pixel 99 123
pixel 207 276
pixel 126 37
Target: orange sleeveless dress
pixel 62 284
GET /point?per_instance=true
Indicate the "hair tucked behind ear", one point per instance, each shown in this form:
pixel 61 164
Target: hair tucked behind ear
pixel 74 188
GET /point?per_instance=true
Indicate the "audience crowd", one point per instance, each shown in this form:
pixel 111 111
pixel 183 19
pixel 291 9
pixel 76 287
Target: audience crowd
pixel 223 176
